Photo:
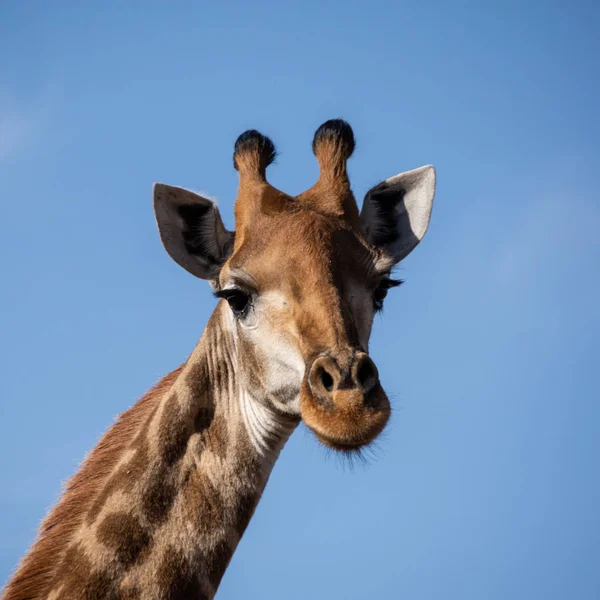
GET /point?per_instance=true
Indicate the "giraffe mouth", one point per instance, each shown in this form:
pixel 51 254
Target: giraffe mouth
pixel 349 421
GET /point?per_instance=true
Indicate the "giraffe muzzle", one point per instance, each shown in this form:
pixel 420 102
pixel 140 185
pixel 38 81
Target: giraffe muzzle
pixel 327 379
pixel 343 401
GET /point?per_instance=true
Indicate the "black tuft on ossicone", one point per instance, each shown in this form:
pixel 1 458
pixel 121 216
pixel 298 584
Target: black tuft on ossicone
pixel 256 142
pixel 338 131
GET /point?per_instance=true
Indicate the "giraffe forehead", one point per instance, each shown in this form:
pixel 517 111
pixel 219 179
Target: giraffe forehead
pixel 292 249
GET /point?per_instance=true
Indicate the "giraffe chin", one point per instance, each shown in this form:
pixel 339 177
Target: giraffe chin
pixel 348 421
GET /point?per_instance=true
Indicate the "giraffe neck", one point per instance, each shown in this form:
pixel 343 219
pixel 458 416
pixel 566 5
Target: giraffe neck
pixel 170 514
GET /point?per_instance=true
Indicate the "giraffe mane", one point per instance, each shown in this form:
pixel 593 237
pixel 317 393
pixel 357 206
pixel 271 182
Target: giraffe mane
pixel 34 575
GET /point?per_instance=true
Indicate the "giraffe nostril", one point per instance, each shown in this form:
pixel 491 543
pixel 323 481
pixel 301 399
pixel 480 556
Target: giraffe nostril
pixel 326 380
pixel 366 374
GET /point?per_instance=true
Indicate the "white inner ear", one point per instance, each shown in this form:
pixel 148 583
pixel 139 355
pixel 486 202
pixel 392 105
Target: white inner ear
pixel 396 212
pixel 418 198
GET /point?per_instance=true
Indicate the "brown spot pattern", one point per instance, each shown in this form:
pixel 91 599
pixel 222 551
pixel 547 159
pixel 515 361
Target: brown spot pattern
pixel 204 503
pixel 204 418
pixel 296 290
pixel 177 579
pixel 197 372
pixel 217 563
pixel 122 480
pixel 130 593
pixel 79 580
pixel 245 509
pixel 158 497
pixel 125 535
pixel 216 438
pixel 174 431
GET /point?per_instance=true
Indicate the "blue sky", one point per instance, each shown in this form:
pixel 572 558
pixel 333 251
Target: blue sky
pixel 486 484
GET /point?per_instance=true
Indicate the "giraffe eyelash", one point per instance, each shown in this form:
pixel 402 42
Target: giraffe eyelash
pixel 380 292
pixel 389 283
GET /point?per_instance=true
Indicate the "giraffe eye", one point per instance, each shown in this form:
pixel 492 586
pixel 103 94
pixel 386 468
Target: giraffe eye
pixel 381 291
pixel 238 300
pixel 379 296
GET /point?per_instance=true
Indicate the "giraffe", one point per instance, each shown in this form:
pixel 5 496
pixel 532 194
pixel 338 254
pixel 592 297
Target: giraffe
pixel 158 507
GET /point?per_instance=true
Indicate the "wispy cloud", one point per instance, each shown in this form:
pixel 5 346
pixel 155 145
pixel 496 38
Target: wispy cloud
pixel 15 131
pixel 24 122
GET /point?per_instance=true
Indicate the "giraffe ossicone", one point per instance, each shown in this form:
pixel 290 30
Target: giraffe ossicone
pixel 159 506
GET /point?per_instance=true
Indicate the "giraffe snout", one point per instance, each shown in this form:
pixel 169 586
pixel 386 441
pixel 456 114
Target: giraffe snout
pixel 327 380
pixel 343 401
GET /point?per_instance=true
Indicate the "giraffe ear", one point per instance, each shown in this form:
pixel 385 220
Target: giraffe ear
pixel 191 230
pixel 395 213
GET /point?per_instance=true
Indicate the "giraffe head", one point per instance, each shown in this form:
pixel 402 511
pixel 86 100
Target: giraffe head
pixel 303 277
